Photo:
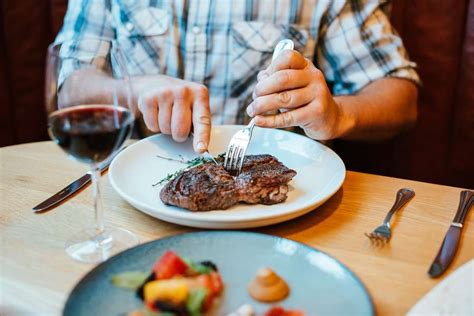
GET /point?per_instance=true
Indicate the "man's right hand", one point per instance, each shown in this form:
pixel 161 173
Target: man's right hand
pixel 173 106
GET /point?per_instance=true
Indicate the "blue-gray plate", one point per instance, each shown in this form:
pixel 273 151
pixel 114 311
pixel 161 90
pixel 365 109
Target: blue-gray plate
pixel 320 284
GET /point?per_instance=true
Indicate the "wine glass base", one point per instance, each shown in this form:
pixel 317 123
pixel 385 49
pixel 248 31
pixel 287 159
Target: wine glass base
pixel 87 247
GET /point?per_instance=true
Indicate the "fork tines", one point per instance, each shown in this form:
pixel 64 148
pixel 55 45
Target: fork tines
pixel 234 157
pixel 377 239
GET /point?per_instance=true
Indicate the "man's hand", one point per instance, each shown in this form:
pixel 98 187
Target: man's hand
pixel 295 86
pixel 173 106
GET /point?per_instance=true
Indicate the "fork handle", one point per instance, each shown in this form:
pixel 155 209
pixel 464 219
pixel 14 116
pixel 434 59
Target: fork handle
pixel 403 196
pixel 251 125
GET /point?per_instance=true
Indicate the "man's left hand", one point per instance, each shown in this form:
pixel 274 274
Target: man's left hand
pixel 294 86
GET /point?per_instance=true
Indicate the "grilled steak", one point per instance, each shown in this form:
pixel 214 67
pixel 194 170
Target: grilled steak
pixel 202 188
pixel 209 186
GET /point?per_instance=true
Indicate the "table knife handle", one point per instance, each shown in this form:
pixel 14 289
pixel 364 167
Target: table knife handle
pixel 403 196
pixel 466 200
pixel 446 252
pixel 448 248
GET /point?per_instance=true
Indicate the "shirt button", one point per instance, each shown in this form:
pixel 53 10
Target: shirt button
pixel 129 26
pixel 196 30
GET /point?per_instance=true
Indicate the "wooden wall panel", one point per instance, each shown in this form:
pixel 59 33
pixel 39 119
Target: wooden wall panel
pixel 434 41
pixel 6 126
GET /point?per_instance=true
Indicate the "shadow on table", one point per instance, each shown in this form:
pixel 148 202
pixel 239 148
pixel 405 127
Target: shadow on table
pixel 307 221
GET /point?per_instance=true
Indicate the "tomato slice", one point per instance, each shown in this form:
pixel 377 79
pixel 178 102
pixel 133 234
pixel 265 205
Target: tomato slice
pixel 280 311
pixel 212 282
pixel 169 265
pixel 216 280
pixel 151 306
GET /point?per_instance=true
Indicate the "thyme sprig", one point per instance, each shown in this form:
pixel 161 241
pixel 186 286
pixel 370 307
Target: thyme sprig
pixel 189 164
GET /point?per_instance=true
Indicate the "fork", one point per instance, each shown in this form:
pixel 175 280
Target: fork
pixel 382 234
pixel 234 156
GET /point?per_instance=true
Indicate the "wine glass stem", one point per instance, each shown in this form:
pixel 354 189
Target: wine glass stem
pixel 98 210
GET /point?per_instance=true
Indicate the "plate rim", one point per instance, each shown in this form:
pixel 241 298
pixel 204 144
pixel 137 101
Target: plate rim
pixel 115 257
pixel 207 216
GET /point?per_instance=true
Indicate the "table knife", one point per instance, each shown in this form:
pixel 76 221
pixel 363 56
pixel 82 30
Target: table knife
pixel 208 156
pixel 205 154
pixel 451 240
pixel 69 190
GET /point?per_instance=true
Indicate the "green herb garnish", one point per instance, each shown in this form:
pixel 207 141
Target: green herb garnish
pixel 189 164
pixel 129 280
pixel 195 300
pixel 196 267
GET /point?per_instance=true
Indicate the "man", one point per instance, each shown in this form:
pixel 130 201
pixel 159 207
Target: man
pixel 192 60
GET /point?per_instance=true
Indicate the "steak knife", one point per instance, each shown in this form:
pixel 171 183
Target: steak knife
pixel 69 190
pixel 451 240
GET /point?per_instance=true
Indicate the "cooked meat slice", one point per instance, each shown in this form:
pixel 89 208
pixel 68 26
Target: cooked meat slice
pixel 209 186
pixel 263 180
pixel 202 188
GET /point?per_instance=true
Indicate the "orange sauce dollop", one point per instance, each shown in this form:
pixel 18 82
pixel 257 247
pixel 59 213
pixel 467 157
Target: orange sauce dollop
pixel 267 286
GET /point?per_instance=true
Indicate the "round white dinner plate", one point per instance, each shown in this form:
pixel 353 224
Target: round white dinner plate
pixel 320 173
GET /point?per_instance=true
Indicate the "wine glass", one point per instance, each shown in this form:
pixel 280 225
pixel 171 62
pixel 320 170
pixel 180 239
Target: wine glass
pixel 90 115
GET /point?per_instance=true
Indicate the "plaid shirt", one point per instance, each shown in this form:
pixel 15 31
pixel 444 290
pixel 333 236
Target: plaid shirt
pixel 223 44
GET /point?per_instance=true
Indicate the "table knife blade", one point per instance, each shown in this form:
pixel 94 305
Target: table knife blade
pixel 450 243
pixel 70 189
pixel 63 194
pixel 208 156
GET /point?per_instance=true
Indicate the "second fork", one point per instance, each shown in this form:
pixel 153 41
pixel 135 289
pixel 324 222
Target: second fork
pixel 383 233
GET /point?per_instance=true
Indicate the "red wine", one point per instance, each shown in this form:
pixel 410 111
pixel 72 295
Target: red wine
pixel 90 133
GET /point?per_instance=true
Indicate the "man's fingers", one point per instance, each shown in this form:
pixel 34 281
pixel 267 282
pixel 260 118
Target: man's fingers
pixel 165 111
pixel 201 122
pixel 149 108
pixel 174 110
pixel 262 75
pixel 287 59
pixel 281 81
pixel 181 118
pixel 291 118
pixel 282 100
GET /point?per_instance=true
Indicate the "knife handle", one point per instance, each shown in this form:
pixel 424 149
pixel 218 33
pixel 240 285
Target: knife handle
pixel 450 243
pixel 465 202
pixel 446 252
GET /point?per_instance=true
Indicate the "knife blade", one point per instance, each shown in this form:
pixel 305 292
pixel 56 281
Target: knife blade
pixel 70 189
pixel 205 154
pixel 208 156
pixel 450 243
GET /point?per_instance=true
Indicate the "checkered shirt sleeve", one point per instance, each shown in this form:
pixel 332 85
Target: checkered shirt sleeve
pixel 358 45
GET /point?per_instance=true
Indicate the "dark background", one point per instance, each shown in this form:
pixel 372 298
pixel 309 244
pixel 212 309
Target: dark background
pixel 439 35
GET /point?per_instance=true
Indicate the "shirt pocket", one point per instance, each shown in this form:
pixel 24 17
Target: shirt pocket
pixel 143 38
pixel 252 49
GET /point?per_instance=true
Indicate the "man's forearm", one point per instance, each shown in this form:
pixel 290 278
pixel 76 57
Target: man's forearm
pixel 88 85
pixel 168 105
pixel 379 111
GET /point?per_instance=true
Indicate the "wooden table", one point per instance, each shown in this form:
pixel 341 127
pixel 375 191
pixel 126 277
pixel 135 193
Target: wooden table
pixel 36 274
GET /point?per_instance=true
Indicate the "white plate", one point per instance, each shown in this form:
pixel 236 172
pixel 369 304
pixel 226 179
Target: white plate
pixel 320 174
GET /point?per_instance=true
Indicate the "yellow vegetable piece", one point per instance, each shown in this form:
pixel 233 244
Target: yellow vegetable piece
pixel 174 291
